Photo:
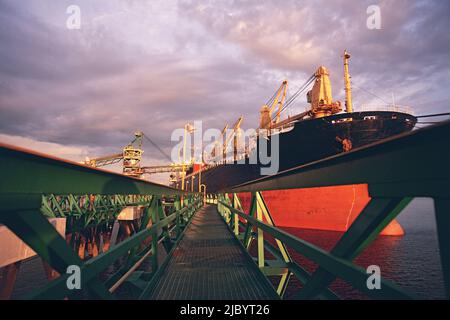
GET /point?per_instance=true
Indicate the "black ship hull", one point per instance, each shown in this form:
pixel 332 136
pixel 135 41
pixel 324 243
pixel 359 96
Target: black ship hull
pixel 309 140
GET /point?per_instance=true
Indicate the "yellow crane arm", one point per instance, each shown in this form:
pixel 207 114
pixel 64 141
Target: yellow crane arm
pixel 164 168
pixel 105 160
pixel 213 152
pixel 280 102
pixel 236 127
pixel 277 99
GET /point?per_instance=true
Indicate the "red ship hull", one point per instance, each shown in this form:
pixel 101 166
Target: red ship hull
pixel 326 208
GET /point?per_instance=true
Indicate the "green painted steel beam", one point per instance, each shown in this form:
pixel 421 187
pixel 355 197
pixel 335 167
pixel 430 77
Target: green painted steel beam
pixel 89 210
pixel 411 165
pixel 302 275
pixel 40 235
pixel 375 216
pixel 269 271
pixel 25 173
pixel 442 213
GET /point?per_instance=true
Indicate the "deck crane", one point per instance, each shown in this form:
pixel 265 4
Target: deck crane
pixel 277 100
pixel 234 136
pixel 225 143
pixel 320 88
pixel 217 143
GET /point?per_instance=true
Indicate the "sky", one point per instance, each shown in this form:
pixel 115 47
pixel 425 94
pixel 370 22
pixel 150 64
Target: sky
pixel 156 65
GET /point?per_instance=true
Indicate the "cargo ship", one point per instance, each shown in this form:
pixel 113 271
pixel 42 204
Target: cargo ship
pixel 324 130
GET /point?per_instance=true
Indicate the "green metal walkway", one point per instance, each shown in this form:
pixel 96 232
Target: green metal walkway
pixel 209 263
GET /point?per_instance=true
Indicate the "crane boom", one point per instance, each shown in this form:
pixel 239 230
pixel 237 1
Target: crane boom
pixel 278 99
pixel 236 127
pixel 164 168
pixel 282 91
pixel 213 152
pixel 104 161
pixel 131 157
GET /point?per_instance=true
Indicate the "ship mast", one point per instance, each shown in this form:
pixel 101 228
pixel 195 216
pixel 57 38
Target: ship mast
pixel 348 88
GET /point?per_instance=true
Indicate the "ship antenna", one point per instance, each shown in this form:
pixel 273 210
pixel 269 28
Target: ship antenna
pixel 348 87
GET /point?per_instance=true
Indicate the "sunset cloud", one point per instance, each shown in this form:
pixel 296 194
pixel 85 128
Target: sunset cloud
pixel 155 65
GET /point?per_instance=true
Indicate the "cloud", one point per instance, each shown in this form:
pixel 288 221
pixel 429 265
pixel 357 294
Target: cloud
pixel 411 45
pixel 155 65
pixel 74 153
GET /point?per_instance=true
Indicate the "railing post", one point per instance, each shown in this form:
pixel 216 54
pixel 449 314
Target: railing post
pixel 442 213
pixel 260 234
pixel 248 237
pixel 155 218
pixel 284 254
pixel 177 224
pixel 235 216
pixel 227 211
pixel 203 192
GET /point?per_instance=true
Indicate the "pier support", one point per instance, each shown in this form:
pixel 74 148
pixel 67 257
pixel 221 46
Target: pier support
pixel 8 275
pixel 442 212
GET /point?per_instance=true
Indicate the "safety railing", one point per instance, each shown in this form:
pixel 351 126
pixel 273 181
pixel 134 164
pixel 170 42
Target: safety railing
pixel 395 170
pixel 34 187
pixel 155 228
pixel 386 107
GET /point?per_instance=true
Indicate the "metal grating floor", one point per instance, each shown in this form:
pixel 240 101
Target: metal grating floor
pixel 209 264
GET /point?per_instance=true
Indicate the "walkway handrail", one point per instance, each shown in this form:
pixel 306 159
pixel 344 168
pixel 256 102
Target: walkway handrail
pixel 91 269
pixel 340 267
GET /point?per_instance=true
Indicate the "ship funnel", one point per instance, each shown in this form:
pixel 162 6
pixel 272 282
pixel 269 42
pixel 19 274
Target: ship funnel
pixel 348 88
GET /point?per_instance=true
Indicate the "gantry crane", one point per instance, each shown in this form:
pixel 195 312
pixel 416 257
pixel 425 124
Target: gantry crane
pixel 131 157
